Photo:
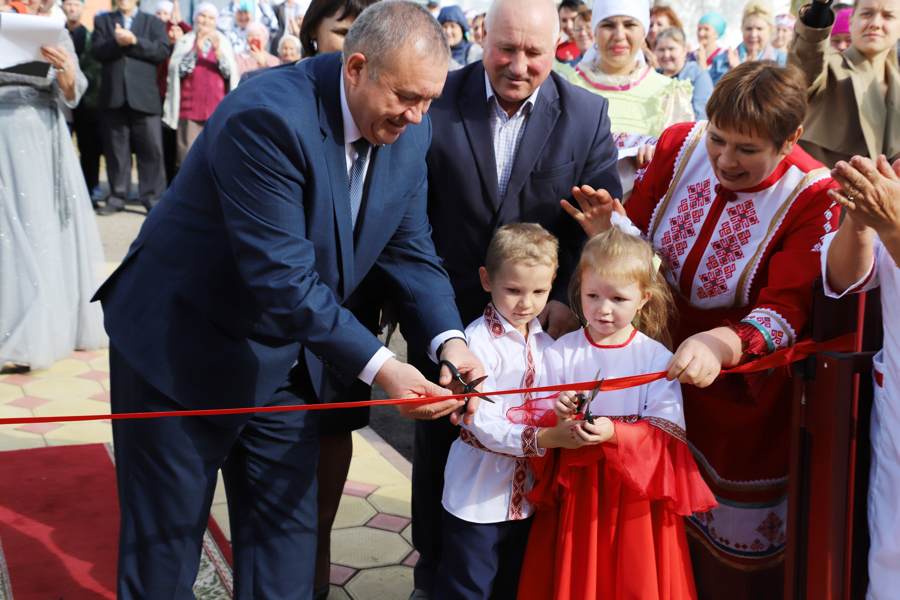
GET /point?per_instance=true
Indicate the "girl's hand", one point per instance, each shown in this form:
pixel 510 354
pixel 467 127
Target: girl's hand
pixel 596 206
pixel 644 155
pixel 565 406
pixel 603 430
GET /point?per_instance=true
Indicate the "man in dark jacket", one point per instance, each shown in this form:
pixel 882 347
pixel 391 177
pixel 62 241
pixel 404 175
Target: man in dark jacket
pixel 130 44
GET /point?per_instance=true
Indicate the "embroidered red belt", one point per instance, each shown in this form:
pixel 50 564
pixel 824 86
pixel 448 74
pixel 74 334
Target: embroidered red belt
pixel 520 472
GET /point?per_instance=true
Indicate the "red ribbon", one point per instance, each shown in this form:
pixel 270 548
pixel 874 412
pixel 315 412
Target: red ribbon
pixel 783 357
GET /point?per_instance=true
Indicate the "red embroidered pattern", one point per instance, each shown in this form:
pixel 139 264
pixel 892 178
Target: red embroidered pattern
pixel 520 471
pixel 733 234
pixel 681 226
pixel 493 321
pixel 668 426
pixel 770 527
pixel 776 334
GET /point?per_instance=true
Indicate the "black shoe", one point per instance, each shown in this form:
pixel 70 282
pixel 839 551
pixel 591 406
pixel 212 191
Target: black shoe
pixel 109 209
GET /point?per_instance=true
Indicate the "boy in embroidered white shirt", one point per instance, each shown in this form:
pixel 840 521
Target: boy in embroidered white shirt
pixel 486 515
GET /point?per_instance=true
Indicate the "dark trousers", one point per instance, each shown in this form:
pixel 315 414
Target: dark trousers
pixel 430 450
pixel 90 145
pixel 166 470
pixel 481 560
pixel 126 132
pixel 170 152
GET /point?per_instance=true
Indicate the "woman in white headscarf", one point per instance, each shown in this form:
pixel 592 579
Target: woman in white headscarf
pixel 642 102
pixel 201 71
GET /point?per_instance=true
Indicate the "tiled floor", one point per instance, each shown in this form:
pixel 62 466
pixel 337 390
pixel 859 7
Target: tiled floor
pixel 372 554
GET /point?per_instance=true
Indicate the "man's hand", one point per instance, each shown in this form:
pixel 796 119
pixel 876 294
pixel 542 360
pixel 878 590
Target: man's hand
pixel 124 37
pixel 457 352
pixel 557 319
pixel 401 380
pixel 596 206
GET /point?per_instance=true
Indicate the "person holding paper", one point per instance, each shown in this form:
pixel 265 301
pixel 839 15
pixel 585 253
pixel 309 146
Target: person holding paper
pixel 51 258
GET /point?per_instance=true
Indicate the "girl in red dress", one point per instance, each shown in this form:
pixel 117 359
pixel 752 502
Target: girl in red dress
pixel 609 521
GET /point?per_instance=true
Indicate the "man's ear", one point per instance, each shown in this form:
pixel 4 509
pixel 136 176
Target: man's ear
pixel 355 65
pixel 485 279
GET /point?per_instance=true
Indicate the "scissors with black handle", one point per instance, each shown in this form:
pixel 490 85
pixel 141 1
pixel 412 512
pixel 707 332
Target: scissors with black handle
pixel 468 388
pixel 584 405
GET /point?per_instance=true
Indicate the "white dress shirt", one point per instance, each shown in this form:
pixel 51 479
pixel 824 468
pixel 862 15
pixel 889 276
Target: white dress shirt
pixel 478 484
pixel 351 134
pixel 507 132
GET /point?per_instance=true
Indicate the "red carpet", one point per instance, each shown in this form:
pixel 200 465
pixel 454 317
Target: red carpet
pixel 59 526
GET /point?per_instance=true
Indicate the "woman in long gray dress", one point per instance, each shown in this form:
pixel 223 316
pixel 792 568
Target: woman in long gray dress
pixel 51 258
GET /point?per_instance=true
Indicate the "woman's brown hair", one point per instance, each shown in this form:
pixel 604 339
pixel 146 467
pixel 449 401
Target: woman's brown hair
pixel 760 97
pixel 667 12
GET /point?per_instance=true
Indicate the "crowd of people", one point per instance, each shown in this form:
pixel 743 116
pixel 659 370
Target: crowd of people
pixel 297 201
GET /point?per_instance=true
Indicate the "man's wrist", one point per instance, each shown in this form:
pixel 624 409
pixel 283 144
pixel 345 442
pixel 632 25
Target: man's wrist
pixel 443 345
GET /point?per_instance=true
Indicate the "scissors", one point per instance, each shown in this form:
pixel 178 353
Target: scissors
pixel 584 405
pixel 468 388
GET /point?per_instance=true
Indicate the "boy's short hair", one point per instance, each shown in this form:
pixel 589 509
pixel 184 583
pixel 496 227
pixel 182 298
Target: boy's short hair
pixel 522 243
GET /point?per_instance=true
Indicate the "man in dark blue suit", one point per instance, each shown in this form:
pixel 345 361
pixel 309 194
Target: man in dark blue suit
pixel 232 295
pixel 511 138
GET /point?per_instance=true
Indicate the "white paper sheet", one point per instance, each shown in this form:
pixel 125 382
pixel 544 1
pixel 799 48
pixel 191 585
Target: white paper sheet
pixel 21 37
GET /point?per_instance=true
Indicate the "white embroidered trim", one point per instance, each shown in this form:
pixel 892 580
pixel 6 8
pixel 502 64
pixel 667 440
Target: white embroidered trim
pixel 780 322
pixel 678 159
pixel 752 485
pixel 745 299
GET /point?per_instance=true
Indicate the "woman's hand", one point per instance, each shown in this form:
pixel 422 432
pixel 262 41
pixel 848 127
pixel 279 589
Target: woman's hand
pixel 734 58
pixel 596 206
pixel 650 56
pixel 259 56
pixel 644 155
pixel 65 71
pixel 870 192
pixel 700 358
pixel 214 38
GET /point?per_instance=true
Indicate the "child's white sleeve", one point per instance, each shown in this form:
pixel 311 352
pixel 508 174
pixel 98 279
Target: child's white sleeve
pixel 497 433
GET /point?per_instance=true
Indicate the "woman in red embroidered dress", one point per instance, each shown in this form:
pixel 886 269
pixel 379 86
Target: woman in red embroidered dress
pixel 738 211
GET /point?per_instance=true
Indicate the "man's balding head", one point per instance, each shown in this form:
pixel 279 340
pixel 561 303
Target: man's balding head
pixel 519 46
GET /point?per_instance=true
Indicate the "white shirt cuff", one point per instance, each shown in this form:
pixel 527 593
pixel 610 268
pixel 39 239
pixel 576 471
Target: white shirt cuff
pixel 440 339
pixel 375 363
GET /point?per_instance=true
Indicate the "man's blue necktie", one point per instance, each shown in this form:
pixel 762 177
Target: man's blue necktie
pixel 357 181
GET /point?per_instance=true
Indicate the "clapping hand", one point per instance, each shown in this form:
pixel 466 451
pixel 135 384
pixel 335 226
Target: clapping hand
pixel 596 207
pixel 734 58
pixel 124 37
pixel 870 192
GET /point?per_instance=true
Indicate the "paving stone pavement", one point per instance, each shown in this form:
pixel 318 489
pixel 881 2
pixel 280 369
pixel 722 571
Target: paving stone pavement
pixel 372 554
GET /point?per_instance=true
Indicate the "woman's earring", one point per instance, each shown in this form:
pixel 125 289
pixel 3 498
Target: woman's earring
pixel 315 45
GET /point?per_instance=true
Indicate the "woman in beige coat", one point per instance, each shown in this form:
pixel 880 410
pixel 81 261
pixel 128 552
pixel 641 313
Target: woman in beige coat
pixel 854 95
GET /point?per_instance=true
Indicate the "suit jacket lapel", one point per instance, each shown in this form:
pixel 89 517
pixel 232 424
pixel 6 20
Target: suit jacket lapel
pixel 331 123
pixel 538 128
pixel 477 123
pixel 868 98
